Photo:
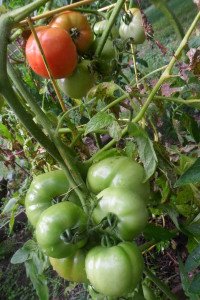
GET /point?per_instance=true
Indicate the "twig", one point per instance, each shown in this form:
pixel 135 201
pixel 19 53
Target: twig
pixel 57 10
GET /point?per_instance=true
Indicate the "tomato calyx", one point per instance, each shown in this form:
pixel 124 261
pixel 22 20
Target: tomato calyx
pixel 71 236
pixel 74 33
pixel 110 221
pixel 127 17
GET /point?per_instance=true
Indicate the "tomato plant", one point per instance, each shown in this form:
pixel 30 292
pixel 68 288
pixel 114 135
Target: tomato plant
pixel 59 51
pixel 132 27
pixel 79 82
pixel 71 268
pixel 114 271
pixel 60 230
pixel 77 26
pixel 118 171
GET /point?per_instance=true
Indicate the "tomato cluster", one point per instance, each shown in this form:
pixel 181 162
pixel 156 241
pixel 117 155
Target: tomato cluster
pixel 119 214
pixel 69 43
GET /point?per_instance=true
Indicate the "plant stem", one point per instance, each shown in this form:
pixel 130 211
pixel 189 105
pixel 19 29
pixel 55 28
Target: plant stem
pixel 57 10
pixel 106 32
pixel 163 287
pixel 167 71
pixel 20 13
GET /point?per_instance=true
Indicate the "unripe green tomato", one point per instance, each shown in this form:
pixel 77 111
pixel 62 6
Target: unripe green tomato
pixel 118 171
pixel 71 268
pixel 133 28
pixel 61 229
pixel 100 27
pixel 114 271
pixel 106 63
pixel 43 189
pixel 79 83
pixel 127 206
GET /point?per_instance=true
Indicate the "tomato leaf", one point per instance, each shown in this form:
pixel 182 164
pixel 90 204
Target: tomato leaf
pixel 99 121
pixel 115 131
pixel 184 276
pixel 158 233
pixel 195 285
pixel 20 256
pixel 4 132
pixel 193 260
pixel 145 148
pixel 192 175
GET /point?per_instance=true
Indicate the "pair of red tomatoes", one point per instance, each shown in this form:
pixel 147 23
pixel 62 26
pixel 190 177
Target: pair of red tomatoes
pixel 67 34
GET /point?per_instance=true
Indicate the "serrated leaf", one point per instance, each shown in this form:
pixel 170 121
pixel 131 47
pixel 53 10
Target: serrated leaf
pixel 158 233
pixel 20 256
pixel 195 285
pixel 145 149
pixel 115 131
pixel 99 121
pixel 193 260
pixel 4 132
pixel 192 175
pixel 39 281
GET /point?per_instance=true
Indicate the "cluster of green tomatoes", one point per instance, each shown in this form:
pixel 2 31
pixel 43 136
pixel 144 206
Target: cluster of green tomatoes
pixel 95 248
pixel 69 45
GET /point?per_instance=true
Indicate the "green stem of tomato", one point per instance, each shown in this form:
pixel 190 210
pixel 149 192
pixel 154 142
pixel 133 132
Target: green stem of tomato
pixel 111 21
pixel 161 285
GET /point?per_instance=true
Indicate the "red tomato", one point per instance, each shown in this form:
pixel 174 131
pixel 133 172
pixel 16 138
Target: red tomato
pixel 77 26
pixel 59 50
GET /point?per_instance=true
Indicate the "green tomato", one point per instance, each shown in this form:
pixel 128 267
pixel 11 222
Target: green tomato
pixel 128 207
pixel 60 229
pixel 42 190
pixel 106 63
pixel 132 27
pixel 96 296
pixel 118 171
pixel 100 27
pixel 114 271
pixel 71 268
pixel 79 83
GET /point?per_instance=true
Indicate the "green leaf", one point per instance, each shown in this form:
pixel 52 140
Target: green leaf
pixel 10 205
pixel 157 233
pixel 173 214
pixel 195 285
pixel 38 280
pixel 115 131
pixel 184 276
pixel 99 121
pixel 193 260
pixel 192 175
pixel 20 256
pixel 145 148
pixel 4 132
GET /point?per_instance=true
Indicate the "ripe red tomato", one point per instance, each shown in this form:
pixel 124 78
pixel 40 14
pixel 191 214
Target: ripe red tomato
pixel 76 24
pixel 59 50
